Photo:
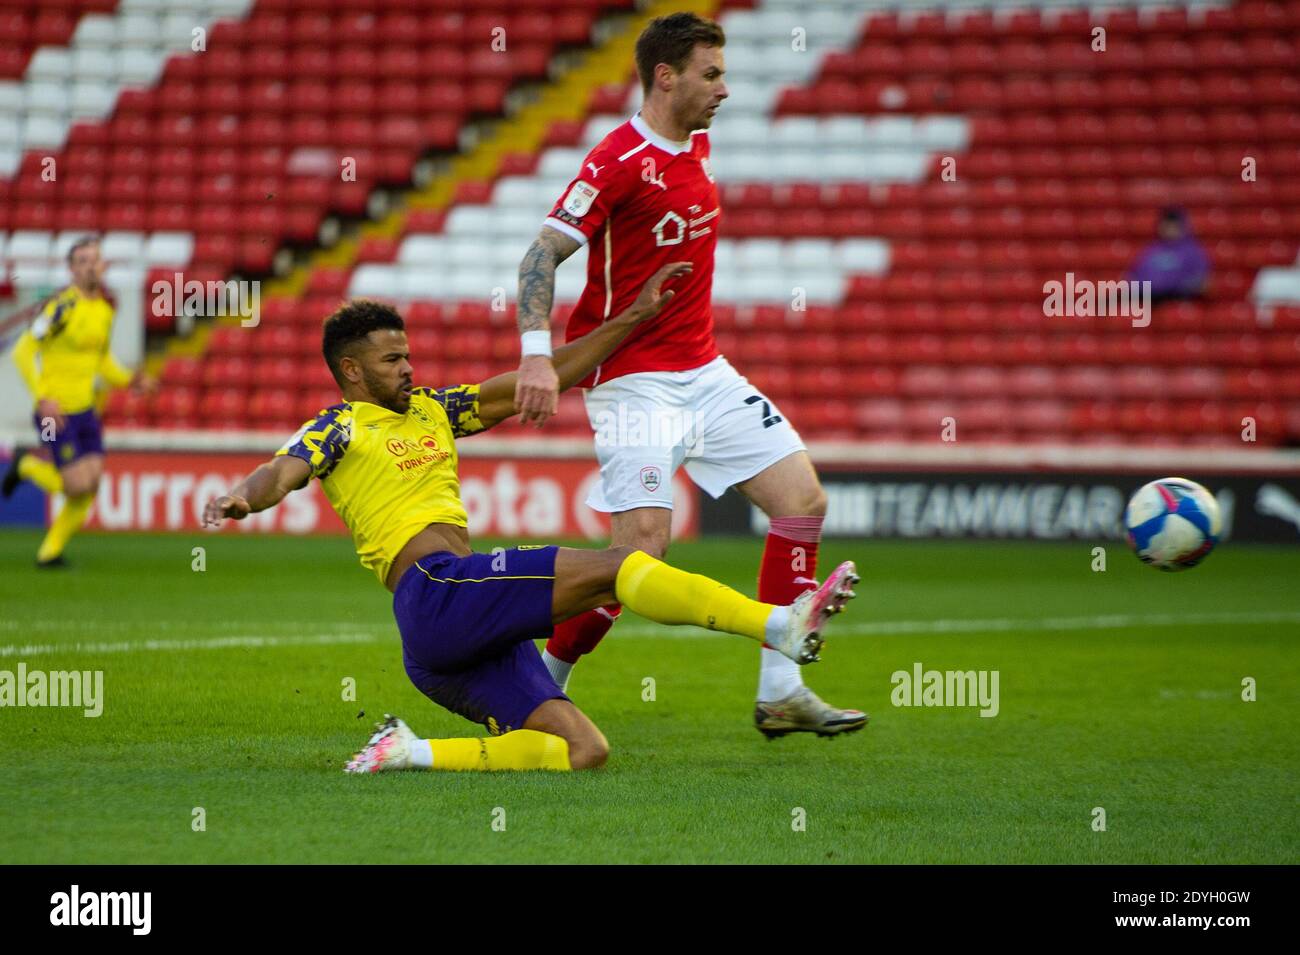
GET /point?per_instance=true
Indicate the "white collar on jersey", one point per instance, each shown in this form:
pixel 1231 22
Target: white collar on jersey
pixel 667 145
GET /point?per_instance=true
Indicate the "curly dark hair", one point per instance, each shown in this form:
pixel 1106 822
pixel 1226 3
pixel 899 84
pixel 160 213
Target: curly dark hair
pixel 351 322
pixel 670 40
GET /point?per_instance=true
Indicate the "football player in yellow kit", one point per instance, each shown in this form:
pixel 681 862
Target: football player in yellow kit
pixel 386 458
pixel 60 357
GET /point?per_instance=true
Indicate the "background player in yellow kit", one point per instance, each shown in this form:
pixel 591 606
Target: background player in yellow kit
pixel 60 358
pixel 386 458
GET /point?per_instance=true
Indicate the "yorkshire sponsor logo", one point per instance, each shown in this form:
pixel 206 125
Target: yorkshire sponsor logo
pixel 410 464
pixel 103 908
pixel 75 688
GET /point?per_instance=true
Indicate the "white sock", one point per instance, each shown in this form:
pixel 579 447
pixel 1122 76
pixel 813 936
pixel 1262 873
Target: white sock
pixel 778 676
pixel 421 754
pixel 558 668
pixel 777 622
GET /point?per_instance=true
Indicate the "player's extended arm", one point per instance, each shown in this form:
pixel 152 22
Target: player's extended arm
pixel 265 487
pixel 25 353
pixel 113 372
pixel 537 387
pixel 579 358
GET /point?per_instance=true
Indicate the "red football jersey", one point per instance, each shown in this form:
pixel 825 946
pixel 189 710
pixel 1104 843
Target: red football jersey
pixel 642 201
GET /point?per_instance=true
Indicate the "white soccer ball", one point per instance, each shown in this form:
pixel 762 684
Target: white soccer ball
pixel 1172 523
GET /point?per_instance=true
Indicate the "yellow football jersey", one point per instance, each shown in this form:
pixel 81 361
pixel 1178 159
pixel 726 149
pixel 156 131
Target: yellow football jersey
pixel 387 475
pixel 66 348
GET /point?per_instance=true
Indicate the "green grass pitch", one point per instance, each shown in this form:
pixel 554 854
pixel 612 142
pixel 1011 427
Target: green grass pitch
pixel 224 690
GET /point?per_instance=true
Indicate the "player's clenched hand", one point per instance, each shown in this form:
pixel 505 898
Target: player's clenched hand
pixel 537 390
pixel 49 408
pixel 144 383
pixel 219 508
pixel 651 300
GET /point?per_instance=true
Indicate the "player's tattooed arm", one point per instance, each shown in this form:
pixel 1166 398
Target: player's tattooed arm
pixel 579 358
pixel 537 277
pixel 537 388
pixel 265 487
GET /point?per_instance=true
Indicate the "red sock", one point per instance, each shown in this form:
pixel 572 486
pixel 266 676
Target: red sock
pixel 789 564
pixel 580 634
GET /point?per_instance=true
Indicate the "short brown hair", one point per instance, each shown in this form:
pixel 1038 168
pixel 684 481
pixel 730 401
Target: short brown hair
pixel 81 244
pixel 670 40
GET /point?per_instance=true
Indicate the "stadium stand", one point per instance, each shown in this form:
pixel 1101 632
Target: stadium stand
pixel 894 196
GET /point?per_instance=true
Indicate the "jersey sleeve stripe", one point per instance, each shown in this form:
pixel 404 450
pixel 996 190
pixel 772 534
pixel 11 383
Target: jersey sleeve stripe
pixel 567 229
pixel 634 150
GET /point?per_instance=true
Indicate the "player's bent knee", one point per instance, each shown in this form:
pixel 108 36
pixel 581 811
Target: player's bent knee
pixel 588 751
pixel 622 553
pixel 653 544
pixel 815 502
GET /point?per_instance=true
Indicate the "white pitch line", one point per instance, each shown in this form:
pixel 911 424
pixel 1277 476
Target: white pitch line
pixel 207 643
pixel 1006 624
pixel 878 628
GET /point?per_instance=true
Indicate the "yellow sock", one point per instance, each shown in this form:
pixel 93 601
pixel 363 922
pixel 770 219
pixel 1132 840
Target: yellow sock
pixel 521 749
pixel 41 473
pixel 67 523
pixel 665 594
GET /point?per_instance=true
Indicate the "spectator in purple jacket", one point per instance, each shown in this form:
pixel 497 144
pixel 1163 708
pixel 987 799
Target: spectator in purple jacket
pixel 1175 264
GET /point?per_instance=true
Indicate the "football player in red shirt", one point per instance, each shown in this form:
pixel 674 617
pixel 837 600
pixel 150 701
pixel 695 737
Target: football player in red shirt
pixel 645 195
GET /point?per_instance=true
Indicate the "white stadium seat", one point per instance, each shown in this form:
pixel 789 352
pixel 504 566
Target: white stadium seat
pixel 122 246
pixel 169 248
pixel 49 63
pixel 92 100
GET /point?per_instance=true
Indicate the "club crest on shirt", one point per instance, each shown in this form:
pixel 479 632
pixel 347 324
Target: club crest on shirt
pixel 420 413
pixel 581 196
pixel 650 479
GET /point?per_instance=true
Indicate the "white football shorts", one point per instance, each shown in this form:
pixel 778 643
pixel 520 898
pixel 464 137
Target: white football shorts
pixel 711 419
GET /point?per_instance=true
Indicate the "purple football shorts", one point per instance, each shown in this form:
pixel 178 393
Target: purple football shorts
pixel 80 435
pixel 468 625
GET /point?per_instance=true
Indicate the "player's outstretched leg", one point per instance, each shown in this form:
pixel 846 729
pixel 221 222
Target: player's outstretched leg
pixel 27 466
pixel 665 594
pixel 792 497
pixel 395 746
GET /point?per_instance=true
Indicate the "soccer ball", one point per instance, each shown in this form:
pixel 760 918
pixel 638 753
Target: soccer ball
pixel 1172 523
